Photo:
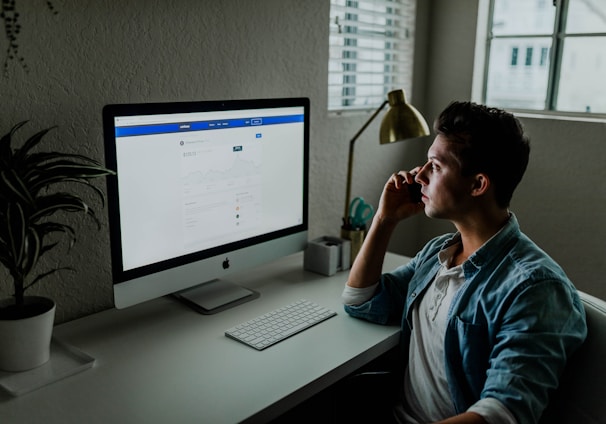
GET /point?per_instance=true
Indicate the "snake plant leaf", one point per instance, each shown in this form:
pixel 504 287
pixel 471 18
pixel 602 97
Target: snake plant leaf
pixel 29 144
pixel 16 186
pixel 62 173
pixel 87 183
pixel 46 274
pixel 36 159
pixel 16 231
pixel 46 228
pixel 5 258
pixel 32 249
pixel 6 152
pixel 49 247
pixel 5 242
pixel 54 202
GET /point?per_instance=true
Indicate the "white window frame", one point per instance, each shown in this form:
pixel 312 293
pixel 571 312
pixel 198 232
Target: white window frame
pixel 371 48
pixel 482 52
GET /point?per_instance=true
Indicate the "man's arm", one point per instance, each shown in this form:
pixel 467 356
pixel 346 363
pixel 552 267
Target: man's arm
pixel 368 265
pixel 394 206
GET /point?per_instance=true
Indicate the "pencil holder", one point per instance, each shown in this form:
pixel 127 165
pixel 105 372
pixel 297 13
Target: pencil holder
pixel 327 255
pixel 356 237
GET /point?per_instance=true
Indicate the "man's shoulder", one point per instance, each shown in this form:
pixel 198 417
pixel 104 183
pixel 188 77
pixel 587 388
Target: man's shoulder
pixel 530 259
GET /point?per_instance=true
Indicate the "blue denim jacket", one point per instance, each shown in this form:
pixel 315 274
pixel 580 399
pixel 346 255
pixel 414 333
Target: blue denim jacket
pixel 511 327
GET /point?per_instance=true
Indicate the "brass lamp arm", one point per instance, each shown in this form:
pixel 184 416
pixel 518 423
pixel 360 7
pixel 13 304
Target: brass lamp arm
pixel 350 162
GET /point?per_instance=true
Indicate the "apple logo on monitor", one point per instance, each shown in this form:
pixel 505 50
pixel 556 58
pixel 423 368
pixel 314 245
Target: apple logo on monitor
pixel 226 263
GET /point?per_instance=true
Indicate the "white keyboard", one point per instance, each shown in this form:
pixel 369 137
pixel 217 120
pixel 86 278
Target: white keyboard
pixel 275 326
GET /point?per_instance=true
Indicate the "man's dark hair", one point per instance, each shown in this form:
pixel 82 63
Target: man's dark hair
pixel 491 141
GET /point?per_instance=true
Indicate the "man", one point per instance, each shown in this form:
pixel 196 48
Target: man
pixel 488 319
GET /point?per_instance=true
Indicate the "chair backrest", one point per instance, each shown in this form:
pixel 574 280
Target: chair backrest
pixel 581 397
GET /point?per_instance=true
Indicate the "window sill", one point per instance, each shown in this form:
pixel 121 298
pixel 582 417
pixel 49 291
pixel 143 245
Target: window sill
pixel 560 116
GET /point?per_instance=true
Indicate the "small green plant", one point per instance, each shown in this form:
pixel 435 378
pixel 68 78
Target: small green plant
pixel 33 189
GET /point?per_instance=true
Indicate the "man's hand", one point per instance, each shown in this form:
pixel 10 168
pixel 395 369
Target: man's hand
pixel 396 203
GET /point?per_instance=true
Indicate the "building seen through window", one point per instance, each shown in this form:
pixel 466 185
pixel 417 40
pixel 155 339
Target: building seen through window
pixel 546 56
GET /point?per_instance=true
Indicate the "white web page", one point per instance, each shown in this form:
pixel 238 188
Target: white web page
pixel 190 191
pixel 222 184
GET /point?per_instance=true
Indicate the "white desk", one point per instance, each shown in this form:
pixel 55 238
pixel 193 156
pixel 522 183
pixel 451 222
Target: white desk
pixel 161 362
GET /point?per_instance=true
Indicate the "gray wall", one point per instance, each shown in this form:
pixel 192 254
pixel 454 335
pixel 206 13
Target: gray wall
pixel 98 52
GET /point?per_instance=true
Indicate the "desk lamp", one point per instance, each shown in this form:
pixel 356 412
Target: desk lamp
pixel 402 121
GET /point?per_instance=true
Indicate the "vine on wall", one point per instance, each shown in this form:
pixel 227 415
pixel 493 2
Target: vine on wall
pixel 12 29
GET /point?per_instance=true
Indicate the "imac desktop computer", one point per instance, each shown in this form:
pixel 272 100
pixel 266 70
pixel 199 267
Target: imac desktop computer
pixel 202 190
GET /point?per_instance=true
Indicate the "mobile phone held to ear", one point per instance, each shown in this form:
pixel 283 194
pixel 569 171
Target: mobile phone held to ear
pixel 414 190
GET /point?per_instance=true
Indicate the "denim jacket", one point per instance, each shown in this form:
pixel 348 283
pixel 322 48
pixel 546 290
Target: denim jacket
pixel 511 327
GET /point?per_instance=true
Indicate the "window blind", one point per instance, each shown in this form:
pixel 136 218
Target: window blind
pixel 371 50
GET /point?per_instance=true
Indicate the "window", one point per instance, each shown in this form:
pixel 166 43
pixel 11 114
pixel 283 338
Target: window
pixel 547 55
pixel 529 56
pixel 371 51
pixel 514 56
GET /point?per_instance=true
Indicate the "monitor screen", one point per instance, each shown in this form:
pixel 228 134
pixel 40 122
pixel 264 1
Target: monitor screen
pixel 202 190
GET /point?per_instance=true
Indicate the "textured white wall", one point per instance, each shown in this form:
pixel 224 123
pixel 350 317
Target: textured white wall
pixel 95 52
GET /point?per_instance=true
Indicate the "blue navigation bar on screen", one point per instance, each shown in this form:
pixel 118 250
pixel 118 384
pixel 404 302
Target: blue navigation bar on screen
pixel 176 127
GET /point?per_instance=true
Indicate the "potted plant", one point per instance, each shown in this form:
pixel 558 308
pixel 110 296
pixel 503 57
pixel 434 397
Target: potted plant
pixel 35 192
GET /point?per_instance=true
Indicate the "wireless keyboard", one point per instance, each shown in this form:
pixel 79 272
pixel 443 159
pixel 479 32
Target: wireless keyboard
pixel 273 327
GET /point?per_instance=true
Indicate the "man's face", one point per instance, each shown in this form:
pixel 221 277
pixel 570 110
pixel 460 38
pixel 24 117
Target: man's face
pixel 446 193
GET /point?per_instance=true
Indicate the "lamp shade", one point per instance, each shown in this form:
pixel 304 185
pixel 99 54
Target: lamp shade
pixel 402 120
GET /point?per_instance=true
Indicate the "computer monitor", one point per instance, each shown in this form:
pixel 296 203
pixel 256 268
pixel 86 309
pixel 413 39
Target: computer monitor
pixel 202 190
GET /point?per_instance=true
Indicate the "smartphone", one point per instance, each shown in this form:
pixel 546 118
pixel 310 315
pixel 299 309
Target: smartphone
pixel 414 190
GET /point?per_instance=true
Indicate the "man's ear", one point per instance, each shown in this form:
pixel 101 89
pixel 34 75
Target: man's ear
pixel 480 185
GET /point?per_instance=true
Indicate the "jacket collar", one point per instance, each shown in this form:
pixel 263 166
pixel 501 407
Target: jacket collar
pixel 497 244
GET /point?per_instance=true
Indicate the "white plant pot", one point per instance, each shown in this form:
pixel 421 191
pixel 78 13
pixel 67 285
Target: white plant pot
pixel 25 343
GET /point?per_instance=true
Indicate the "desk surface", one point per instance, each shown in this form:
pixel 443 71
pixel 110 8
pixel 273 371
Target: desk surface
pixel 161 362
